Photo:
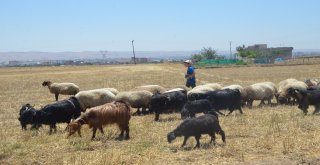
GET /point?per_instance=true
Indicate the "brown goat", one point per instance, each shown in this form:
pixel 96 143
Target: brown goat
pixel 117 112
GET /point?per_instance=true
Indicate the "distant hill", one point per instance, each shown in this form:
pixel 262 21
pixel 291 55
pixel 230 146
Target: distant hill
pixel 34 55
pixel 42 56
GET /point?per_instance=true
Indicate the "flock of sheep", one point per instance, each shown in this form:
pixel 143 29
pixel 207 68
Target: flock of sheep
pixel 100 107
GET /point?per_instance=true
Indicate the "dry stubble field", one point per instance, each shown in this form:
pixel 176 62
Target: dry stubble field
pixel 266 135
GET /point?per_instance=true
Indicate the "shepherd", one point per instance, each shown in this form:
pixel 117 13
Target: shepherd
pixel 190 76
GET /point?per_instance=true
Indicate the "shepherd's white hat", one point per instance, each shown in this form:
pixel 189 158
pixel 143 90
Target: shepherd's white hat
pixel 188 61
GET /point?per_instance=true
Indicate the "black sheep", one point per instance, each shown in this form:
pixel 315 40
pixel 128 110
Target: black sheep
pixel 167 102
pixel 206 124
pixel 58 112
pixel 197 106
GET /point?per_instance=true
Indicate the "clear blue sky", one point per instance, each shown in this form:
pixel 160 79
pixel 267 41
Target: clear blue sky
pixel 170 25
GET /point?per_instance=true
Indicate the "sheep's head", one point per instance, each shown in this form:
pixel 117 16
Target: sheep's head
pixel 26 117
pixel 171 136
pixel 24 108
pixel 73 127
pixel 46 83
pixel 310 82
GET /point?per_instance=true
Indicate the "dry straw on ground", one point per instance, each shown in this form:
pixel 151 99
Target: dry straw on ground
pixel 268 135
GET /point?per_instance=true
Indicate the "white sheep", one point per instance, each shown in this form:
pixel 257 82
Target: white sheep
pixel 283 83
pixel 112 90
pixel 61 88
pixel 213 86
pixel 151 88
pixel 282 95
pixel 235 86
pixel 95 97
pixel 259 91
pixel 137 99
pixel 176 89
pixel 204 88
pixel 199 89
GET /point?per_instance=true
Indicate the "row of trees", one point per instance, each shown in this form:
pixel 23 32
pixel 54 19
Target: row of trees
pixel 211 54
pixel 242 51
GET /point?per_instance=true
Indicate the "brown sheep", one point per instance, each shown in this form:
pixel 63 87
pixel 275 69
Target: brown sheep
pixel 117 112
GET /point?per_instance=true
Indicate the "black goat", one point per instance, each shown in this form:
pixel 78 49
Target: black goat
pixel 306 98
pixel 225 99
pixel 167 102
pixel 206 124
pixel 58 112
pixel 197 106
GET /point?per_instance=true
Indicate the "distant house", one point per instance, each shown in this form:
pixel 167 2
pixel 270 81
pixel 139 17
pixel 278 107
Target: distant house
pixel 140 60
pixel 270 55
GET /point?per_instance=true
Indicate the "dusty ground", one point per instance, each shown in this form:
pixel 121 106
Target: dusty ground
pixel 267 135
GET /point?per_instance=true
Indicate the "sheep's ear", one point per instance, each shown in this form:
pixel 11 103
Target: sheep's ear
pixel 72 120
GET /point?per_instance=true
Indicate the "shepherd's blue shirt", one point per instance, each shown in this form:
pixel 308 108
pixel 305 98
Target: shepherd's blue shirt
pixel 190 71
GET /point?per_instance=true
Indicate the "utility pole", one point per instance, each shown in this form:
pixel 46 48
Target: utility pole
pixel 134 55
pixel 231 51
pixel 103 53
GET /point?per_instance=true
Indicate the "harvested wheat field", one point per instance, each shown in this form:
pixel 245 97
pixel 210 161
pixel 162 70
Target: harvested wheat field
pixel 262 135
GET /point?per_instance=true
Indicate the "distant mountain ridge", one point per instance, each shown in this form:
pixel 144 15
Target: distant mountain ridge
pixel 35 55
pixel 68 55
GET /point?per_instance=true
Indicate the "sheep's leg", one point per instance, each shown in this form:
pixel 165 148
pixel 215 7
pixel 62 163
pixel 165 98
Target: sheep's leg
pixel 144 111
pixel 94 130
pixel 156 117
pixel 54 128
pixel 220 113
pixel 223 136
pixel 137 112
pixel 79 132
pixel 122 132
pixel 51 127
pixel 250 102
pixel 317 108
pixel 213 138
pixel 230 111
pixel 261 103
pixel 101 130
pixel 184 141
pixel 127 132
pixel 269 101
pixel 197 137
pixel 240 109
pixel 56 95
pixel 34 126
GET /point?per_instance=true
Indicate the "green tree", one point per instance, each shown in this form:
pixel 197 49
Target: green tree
pixel 205 53
pixel 196 57
pixel 209 53
pixel 246 53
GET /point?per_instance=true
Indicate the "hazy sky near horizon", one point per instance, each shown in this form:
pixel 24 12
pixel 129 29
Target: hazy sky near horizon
pixel 167 25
